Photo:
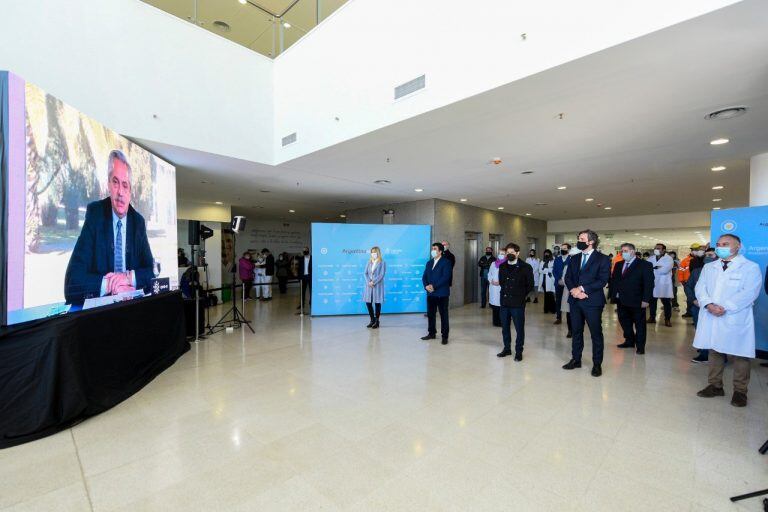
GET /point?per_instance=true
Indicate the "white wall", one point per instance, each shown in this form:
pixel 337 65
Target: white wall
pixel 637 222
pixel 123 61
pixel 349 65
pixel 203 212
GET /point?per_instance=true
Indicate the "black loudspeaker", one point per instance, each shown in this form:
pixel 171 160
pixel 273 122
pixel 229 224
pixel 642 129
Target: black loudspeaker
pixel 193 237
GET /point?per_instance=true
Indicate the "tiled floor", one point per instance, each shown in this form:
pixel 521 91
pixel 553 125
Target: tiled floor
pixel 323 414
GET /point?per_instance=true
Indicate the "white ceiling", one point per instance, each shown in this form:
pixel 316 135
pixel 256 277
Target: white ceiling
pixel 633 137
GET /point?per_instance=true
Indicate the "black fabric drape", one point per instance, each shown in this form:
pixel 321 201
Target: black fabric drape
pixel 58 371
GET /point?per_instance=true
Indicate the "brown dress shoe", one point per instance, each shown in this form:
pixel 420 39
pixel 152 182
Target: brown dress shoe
pixel 558 321
pixel 651 321
pixel 739 399
pixel 667 323
pixel 711 391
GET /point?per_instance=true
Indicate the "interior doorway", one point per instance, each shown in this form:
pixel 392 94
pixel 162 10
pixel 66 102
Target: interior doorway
pixel 472 242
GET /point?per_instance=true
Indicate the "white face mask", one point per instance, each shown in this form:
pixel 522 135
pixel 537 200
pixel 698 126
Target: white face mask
pixel 698 254
pixel 502 255
pixel 374 256
pixel 657 252
pixel 434 253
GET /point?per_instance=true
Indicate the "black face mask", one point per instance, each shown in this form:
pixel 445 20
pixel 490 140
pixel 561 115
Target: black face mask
pixel 582 246
pixel 547 257
pixel 488 254
pixel 511 257
pixel 564 252
pixel 306 253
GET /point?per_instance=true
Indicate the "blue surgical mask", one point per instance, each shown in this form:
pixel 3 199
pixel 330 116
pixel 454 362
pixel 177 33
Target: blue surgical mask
pixel 723 252
pixel 627 255
pixel 709 259
pixel 434 253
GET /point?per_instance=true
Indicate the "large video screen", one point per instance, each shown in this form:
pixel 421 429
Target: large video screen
pixel 91 215
pixel 340 253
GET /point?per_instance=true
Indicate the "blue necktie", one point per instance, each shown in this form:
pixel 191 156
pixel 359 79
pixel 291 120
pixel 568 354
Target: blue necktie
pixel 119 247
pixel 583 261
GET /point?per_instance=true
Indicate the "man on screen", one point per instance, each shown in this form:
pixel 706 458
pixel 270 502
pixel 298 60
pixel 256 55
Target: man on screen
pixel 112 253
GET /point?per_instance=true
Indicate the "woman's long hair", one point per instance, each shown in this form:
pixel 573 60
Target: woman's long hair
pixel 377 251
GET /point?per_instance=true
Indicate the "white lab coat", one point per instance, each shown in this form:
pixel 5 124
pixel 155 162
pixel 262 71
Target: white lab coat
pixel 494 291
pixel 565 307
pixel 736 290
pixel 662 284
pixel 535 263
pixel 546 277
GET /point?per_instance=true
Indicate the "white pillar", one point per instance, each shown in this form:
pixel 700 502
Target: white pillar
pixel 758 180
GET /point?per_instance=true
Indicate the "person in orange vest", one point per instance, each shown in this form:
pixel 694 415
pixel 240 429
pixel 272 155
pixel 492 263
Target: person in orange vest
pixel 684 273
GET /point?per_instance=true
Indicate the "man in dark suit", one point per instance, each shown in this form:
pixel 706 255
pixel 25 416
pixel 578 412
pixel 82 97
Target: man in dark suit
pixel 586 277
pixel 448 255
pixel 632 291
pixel 516 281
pixel 305 276
pixel 436 280
pixel 112 253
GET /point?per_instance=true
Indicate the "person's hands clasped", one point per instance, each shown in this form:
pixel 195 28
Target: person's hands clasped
pixel 429 288
pixel 119 282
pixel 715 309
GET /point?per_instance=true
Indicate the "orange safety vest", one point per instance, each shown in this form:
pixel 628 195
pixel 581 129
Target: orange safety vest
pixel 684 270
pixel 616 259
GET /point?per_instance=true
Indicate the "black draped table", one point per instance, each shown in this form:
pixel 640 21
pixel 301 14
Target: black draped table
pixel 58 371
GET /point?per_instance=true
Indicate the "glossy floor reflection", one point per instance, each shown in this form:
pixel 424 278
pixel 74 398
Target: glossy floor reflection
pixel 323 414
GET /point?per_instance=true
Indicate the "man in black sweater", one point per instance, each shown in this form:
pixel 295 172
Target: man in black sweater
pixel 516 281
pixel 632 291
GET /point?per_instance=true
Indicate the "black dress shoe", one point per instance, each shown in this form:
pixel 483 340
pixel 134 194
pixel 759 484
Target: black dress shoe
pixel 370 324
pixel 518 357
pixel 504 353
pixel 558 321
pixel 570 365
pixel 739 399
pixel 651 321
pixel 445 341
pixel 429 337
pixel 569 335
pixel 626 344
pixel 710 392
pixel 640 351
pixel 597 370
pixel 375 324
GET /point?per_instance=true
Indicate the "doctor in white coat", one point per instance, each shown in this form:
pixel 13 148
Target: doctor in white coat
pixel 535 263
pixel 662 285
pixel 726 291
pixel 494 288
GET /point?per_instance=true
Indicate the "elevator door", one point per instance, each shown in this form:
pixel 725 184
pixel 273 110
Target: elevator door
pixel 471 276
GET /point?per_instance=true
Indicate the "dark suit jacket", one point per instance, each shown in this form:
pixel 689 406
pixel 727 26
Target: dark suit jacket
pixel 301 267
pixel 634 287
pixel 94 256
pixel 516 282
pixel 593 278
pixel 269 265
pixel 439 277
pixel 450 257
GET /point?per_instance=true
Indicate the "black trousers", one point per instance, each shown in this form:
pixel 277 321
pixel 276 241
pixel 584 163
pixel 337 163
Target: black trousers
pixel 306 284
pixel 496 317
pixel 593 317
pixel 549 302
pixel 433 305
pixel 371 313
pixel 559 301
pixel 483 291
pixel 247 285
pixel 667 303
pixel 282 283
pixel 632 320
pixel 516 315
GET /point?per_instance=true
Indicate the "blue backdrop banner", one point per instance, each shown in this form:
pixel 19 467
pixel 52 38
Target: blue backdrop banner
pixel 751 225
pixel 340 253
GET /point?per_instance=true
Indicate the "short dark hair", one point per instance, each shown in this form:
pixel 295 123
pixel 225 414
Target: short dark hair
pixel 664 246
pixel 438 246
pixel 709 249
pixel 264 250
pixel 629 245
pixel 565 243
pixel 591 236
pixel 730 235
pixel 513 246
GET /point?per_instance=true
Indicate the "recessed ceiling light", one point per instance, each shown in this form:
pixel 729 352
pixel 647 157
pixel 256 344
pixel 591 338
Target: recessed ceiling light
pixel 222 26
pixel 716 200
pixel 286 24
pixel 716 208
pixel 726 113
pixel 718 187
pixel 637 234
pixel 343 216
pixel 500 208
pixel 243 1
pixel 418 190
pixel 719 142
pixel 608 208
pixel 527 172
pixel 463 199
pixel 719 168
pixel 291 211
pixel 561 187
pixel 382 182
pixel 527 214
pixel 589 199
pixel 219 202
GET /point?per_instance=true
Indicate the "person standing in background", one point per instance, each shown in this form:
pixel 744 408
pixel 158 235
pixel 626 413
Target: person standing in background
pixel 305 276
pixel 269 272
pixel 373 293
pixel 683 274
pixel 436 280
pixel 516 281
pixel 675 282
pixel 565 305
pixel 448 255
pixel 727 291
pixel 631 291
pixel 494 288
pixel 245 270
pixel 547 282
pixel 662 287
pixel 535 264
pixel 587 275
pixel 282 271
pixel 485 264
pixel 557 271
pixel 697 264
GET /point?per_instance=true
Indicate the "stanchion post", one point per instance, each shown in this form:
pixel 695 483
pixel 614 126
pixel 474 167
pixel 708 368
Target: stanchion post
pixel 301 291
pixel 197 314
